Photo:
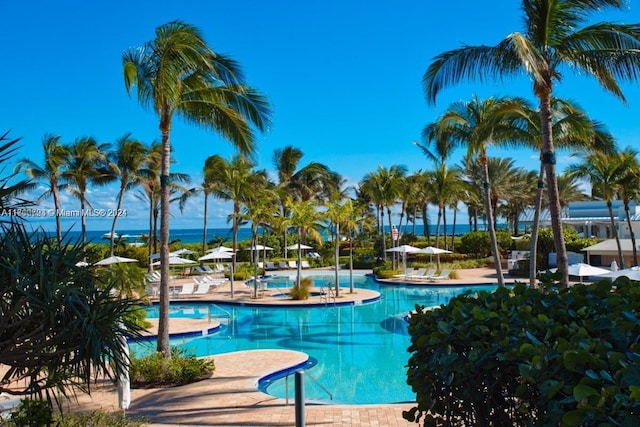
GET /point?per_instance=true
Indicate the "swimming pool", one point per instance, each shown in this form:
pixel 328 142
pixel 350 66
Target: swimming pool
pixel 361 350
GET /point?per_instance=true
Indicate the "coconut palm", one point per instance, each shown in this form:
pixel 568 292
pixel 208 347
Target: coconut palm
pixel 177 73
pixel 629 189
pixel 479 124
pixel 554 36
pixel 126 160
pixel 372 190
pixel 337 213
pixel 56 156
pixel 235 181
pixel 87 164
pixel 445 184
pixel 313 180
pixel 304 217
pixel 603 172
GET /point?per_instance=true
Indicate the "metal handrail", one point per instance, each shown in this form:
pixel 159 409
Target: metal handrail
pixel 286 386
pixel 226 313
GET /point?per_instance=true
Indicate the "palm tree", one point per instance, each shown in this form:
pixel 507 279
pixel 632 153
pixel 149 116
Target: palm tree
pixel 56 156
pixel 372 189
pixel 177 73
pixel 553 37
pixel 479 124
pixel 86 165
pixel 604 172
pixel 301 183
pixel 236 181
pixel 337 213
pixel 127 160
pixel 628 189
pixel 304 216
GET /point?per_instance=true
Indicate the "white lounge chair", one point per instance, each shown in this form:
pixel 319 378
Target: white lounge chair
pixel 187 289
pixel 282 265
pixel 419 273
pixel 270 266
pixel 203 288
pixel 444 274
pixel 208 269
pixel 293 264
pixel 409 271
pixel 305 264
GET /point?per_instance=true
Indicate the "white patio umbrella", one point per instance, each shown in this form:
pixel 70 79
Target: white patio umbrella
pixel 297 246
pixel 259 248
pixel 216 255
pixel 432 250
pixel 581 270
pixel 182 251
pixel 114 260
pixel 124 381
pixel 632 273
pixel 176 260
pixel 404 250
pixel 221 249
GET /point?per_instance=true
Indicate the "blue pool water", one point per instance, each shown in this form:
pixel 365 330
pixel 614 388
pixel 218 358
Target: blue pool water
pixel 361 350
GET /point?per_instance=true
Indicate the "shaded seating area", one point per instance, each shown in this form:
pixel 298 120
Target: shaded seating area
pixel 424 274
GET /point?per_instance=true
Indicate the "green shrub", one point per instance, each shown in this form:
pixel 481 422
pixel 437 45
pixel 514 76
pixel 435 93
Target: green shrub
pixel 31 413
pixel 303 291
pixel 155 370
pixel 527 356
pixel 476 243
pixel 97 419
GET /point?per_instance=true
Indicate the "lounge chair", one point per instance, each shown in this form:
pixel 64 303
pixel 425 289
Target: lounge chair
pixel 187 289
pixel 208 269
pixel 282 265
pixel 444 274
pixel 203 288
pixel 219 268
pixel 199 270
pixel 305 264
pixel 261 265
pixel 153 276
pixel 429 274
pixel 419 273
pixel 409 271
pixel 293 264
pixel 269 266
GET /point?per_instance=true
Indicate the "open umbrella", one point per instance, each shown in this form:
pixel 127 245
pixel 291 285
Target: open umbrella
pixel 216 255
pixel 182 251
pixel 221 249
pixel 632 273
pixel 404 250
pixel 432 250
pixel 581 270
pixel 176 260
pixel 260 248
pixel 114 260
pixel 297 246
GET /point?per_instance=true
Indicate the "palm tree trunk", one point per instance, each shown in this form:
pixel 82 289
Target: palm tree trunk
pixel 425 222
pixel 382 233
pixel 337 257
pixel 444 225
pixel 492 230
pixel 163 321
pixel 115 217
pixel 393 242
pixel 632 234
pixel 206 214
pixel 236 211
pixel 350 263
pixel 535 227
pixel 299 263
pixel 549 163
pixel 56 205
pixel 150 239
pixel 438 235
pixel 614 229
pixel 83 227
pixel 453 230
pixel 254 257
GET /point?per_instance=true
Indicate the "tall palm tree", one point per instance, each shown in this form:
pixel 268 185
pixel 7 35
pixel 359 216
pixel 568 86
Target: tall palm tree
pixel 177 73
pixel 236 181
pixel 629 189
pixel 86 165
pixel 372 189
pixel 126 160
pixel 478 125
pixel 301 183
pixel 553 37
pixel 56 156
pixel 603 172
pixel 304 217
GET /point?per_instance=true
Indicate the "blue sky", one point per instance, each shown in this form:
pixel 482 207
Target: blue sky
pixel 343 77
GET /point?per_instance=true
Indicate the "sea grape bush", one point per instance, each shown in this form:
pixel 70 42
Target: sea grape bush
pixel 529 357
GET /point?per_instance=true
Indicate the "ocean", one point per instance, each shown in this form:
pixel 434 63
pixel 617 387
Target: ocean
pixel 194 235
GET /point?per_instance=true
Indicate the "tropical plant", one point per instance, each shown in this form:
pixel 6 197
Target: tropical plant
pixel 86 165
pixel 61 325
pixel 478 125
pixel 629 189
pixel 603 172
pixel 554 36
pixel 126 161
pixel 56 157
pixel 238 182
pixel 304 216
pixel 177 73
